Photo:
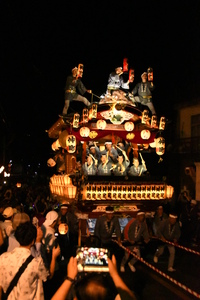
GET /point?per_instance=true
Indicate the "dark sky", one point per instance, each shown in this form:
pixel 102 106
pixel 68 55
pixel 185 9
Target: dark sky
pixel 42 40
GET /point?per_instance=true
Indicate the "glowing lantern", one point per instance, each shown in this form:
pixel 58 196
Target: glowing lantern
pixel 170 191
pixel 67 180
pixel 71 143
pixel 162 123
pixel 131 75
pixel 145 134
pixel 160 145
pixel 76 120
pixel 84 132
pixel 150 74
pixel 70 191
pixel 129 126
pixel 63 228
pixel 93 111
pixel 125 65
pixel 154 121
pixel 56 145
pixel 51 162
pixel 101 124
pixel 80 71
pixel 145 116
pixel 85 115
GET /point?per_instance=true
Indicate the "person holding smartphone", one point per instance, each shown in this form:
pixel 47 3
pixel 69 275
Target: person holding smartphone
pixel 94 285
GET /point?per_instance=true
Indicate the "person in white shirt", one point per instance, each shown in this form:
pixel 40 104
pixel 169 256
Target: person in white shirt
pixel 29 285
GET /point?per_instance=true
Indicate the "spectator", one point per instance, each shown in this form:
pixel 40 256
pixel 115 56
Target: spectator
pixel 94 286
pixel 68 241
pixel 7 224
pixel 29 285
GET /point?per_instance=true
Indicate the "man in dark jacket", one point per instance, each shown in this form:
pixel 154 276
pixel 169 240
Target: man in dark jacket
pixel 144 91
pixel 74 90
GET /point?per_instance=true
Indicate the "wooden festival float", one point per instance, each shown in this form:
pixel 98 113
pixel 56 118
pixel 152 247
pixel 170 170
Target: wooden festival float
pixel 115 118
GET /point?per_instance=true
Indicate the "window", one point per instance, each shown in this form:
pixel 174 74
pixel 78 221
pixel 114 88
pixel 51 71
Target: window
pixel 195 125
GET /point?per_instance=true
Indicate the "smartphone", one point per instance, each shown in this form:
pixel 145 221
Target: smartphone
pixel 91 259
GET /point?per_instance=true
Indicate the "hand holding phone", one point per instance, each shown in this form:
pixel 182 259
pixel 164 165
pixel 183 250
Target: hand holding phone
pixel 91 259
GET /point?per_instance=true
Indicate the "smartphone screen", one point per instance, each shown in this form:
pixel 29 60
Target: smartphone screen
pixel 91 259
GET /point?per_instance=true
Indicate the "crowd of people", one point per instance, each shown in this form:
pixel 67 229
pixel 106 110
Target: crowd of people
pixel 39 231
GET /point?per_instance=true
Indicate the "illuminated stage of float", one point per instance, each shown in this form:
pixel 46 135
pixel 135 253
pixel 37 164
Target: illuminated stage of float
pixel 112 119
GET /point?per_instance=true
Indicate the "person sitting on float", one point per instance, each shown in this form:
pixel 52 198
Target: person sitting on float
pixel 122 165
pixel 111 152
pixel 90 166
pixel 105 167
pixel 137 169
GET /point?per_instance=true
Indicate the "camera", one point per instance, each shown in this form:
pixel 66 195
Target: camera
pixel 91 259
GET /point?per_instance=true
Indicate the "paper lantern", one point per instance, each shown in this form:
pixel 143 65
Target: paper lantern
pixel 51 162
pixel 85 115
pixel 76 120
pixel 145 134
pixel 154 121
pixel 162 123
pixel 150 74
pixel 129 126
pixel 145 116
pixel 84 132
pixel 101 124
pixel 93 111
pixel 125 65
pixel 56 145
pixel 160 145
pixel 131 75
pixel 63 228
pixel 71 144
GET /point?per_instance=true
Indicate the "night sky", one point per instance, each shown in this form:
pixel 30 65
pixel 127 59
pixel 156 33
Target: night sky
pixel 41 41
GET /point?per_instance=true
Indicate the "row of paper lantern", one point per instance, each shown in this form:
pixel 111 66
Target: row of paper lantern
pixel 70 142
pixel 60 180
pixel 129 126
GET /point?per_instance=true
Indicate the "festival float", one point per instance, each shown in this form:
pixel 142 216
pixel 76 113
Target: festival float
pixel 115 117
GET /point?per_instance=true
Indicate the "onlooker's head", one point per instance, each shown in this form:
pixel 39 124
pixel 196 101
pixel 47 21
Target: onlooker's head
pixel 8 213
pixel 51 219
pixel 26 234
pixel 94 286
pixel 19 218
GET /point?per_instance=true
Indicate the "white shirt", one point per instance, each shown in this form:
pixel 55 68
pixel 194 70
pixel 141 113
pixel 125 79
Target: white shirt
pixel 29 286
pixel 13 243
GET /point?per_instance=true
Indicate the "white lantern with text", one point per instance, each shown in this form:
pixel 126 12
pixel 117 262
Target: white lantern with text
pixel 160 145
pixel 71 143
